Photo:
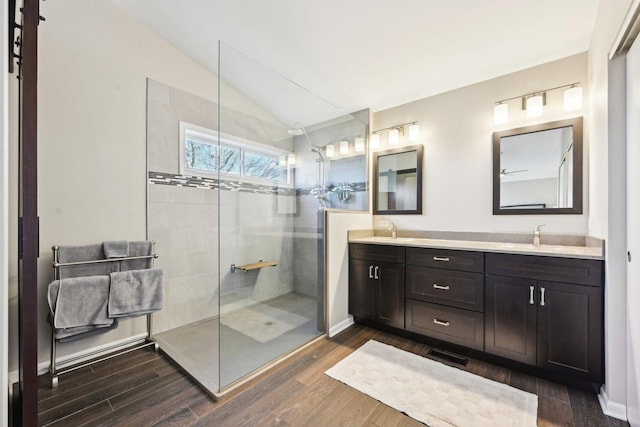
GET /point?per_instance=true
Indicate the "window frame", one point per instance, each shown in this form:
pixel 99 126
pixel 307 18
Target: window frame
pixel 244 145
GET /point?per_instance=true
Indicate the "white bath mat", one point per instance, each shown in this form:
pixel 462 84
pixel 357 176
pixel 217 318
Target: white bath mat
pixel 431 392
pixel 262 322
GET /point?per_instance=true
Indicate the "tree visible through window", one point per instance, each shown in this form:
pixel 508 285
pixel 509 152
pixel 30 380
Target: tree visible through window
pixel 203 155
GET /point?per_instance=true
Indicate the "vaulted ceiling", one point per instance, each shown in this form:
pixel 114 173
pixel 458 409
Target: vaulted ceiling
pixel 376 54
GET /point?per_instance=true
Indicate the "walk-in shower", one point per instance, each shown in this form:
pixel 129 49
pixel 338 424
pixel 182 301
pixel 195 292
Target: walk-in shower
pixel 233 205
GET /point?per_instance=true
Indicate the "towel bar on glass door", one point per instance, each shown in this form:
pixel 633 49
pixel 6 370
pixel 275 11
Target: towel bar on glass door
pixel 53 370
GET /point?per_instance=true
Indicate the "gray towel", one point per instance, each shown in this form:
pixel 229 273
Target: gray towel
pixel 80 302
pixel 73 334
pixel 84 253
pixel 141 248
pixel 116 248
pixel 136 292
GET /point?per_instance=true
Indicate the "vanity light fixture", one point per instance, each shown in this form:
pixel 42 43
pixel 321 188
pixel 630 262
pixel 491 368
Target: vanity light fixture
pixel 358 145
pixel 344 147
pixel 534 102
pixel 573 98
pixel 375 141
pixel 291 159
pixel 331 150
pixel 394 136
pixel 534 105
pixel 395 132
pixel 500 113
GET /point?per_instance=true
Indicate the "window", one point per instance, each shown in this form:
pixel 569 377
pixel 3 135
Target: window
pixel 200 154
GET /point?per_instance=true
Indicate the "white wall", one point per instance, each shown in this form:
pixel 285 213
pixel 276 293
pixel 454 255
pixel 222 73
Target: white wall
pixel 456 129
pixel 543 190
pixel 607 201
pixel 4 229
pixel 92 138
pixel 338 223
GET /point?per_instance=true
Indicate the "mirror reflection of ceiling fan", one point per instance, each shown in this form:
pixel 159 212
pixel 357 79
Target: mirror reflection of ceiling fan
pixel 505 172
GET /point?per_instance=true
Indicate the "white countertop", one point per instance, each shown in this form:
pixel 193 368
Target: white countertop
pixel 583 252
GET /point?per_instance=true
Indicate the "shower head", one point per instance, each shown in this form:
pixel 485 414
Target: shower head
pixel 316 150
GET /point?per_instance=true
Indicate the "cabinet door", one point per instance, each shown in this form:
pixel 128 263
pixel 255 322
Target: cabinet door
pixel 570 329
pixel 510 318
pixel 361 288
pixel 389 294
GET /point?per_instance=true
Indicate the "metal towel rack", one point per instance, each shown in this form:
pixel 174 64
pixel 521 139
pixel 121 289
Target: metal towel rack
pixel 53 369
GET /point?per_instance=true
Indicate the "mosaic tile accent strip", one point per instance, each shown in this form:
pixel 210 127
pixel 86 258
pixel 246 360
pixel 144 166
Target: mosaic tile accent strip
pixel 356 187
pixel 190 181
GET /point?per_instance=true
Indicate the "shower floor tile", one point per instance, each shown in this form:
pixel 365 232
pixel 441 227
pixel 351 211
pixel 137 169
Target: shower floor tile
pixel 217 355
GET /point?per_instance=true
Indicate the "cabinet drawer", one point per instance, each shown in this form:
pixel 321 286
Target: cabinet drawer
pixel 567 270
pixel 447 259
pixel 382 253
pixel 454 288
pixel 454 325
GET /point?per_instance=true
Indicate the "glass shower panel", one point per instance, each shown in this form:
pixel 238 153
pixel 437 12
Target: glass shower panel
pixel 272 285
pixel 239 182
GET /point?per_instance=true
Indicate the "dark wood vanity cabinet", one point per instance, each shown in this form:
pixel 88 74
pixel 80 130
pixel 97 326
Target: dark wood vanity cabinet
pixel 547 313
pixel 445 295
pixel 543 311
pixel 376 284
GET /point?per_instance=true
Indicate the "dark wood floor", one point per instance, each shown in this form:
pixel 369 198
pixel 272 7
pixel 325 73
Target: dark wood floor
pixel 144 388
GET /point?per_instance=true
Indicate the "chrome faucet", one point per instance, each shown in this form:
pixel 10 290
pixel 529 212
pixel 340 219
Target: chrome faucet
pixel 536 236
pixel 394 230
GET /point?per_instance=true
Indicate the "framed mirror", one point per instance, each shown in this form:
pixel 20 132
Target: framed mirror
pixel 397 181
pixel 538 169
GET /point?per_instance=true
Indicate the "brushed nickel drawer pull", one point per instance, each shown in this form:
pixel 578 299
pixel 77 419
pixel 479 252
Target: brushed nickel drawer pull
pixel 441 322
pixel 440 258
pixel 371 272
pixel 531 288
pixel 375 272
pixel 444 288
pixel 541 296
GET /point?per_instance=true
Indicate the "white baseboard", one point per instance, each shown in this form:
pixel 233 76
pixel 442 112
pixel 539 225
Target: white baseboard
pixel 84 355
pixel 336 329
pixel 610 408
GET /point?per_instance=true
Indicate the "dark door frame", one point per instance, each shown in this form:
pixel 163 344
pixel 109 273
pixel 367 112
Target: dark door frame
pixel 28 245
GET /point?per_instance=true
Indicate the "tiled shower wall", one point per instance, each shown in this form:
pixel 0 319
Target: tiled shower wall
pixel 183 218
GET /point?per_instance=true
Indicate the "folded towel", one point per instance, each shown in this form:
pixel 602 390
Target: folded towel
pixel 80 302
pixel 116 248
pixel 136 292
pixel 84 253
pixel 141 248
pixel 73 334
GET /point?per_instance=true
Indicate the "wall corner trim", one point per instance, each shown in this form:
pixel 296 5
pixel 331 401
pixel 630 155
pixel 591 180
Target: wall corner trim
pixel 341 326
pixel 611 408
